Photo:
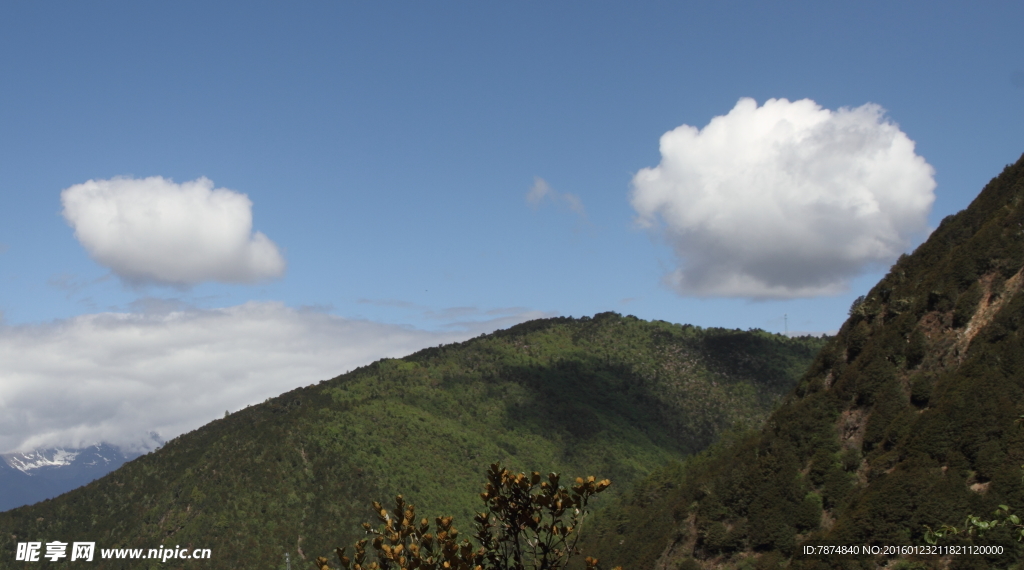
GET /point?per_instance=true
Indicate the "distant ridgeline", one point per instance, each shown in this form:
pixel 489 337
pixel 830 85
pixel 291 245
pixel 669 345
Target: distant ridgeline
pixel 905 419
pixel 610 396
pixel 27 478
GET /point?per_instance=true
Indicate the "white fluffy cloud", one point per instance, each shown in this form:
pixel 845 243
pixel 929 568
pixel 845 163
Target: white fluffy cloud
pixel 784 200
pixel 115 377
pixel 152 230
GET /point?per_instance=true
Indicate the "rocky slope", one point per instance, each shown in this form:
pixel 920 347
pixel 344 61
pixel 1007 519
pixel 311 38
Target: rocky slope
pixel 906 419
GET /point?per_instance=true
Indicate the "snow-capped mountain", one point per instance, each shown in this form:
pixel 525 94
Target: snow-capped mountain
pixel 27 478
pixel 57 457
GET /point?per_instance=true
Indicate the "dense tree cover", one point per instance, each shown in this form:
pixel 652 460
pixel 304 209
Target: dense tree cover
pixel 904 421
pixel 609 395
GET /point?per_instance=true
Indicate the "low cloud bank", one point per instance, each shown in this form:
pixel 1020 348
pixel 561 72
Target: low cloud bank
pixel 115 377
pixel 784 200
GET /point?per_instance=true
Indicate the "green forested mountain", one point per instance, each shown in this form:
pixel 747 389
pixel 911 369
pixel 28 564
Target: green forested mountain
pixel 610 396
pixel 905 419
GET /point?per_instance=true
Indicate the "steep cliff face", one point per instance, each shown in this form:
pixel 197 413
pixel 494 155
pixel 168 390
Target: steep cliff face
pixel 906 419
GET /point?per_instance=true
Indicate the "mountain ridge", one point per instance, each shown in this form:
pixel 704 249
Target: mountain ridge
pixel 609 395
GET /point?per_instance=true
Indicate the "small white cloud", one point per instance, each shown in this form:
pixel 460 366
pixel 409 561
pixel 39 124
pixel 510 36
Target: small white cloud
pixel 541 190
pixel 388 303
pixel 784 200
pixel 116 377
pixel 538 192
pixel 574 203
pixel 153 230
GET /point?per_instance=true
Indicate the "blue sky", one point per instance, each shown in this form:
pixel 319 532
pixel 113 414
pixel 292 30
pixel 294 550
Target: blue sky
pixel 388 150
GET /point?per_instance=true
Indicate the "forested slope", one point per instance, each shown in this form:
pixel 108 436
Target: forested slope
pixel 610 396
pixel 905 419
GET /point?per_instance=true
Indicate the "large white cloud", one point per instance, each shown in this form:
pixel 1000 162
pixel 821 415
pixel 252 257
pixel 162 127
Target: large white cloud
pixel 152 230
pixel 784 200
pixel 115 377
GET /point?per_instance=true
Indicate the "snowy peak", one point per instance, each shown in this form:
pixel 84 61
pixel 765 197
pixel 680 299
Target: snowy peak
pixel 63 463
pixel 26 462
pixel 45 473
